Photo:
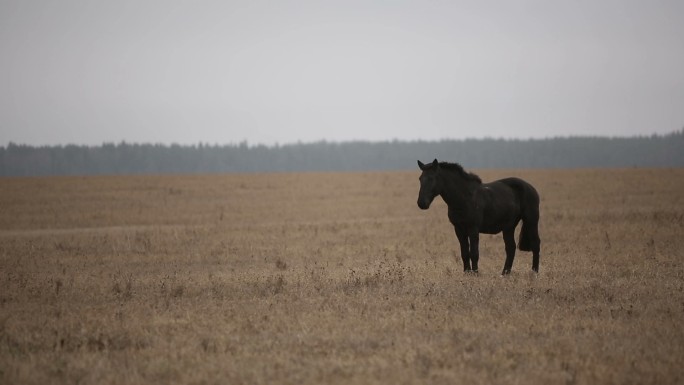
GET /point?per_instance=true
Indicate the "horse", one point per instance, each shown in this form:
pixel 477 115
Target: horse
pixel 488 208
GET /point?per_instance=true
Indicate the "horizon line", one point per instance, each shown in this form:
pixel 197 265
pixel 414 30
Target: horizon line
pixel 246 143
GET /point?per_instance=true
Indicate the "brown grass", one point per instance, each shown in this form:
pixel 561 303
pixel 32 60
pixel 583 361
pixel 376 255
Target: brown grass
pixel 335 278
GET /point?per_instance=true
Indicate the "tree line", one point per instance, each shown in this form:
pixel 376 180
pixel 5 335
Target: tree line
pixel 129 158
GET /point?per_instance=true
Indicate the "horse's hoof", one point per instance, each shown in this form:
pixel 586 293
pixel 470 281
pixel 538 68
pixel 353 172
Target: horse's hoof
pixel 505 273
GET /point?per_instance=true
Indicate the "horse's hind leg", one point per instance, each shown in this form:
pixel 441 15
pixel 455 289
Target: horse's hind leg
pixel 535 255
pixel 535 244
pixel 529 238
pixel 509 241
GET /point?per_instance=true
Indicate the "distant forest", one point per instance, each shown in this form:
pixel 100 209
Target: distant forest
pixel 127 158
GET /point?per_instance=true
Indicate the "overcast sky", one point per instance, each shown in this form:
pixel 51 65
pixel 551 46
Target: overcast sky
pixel 172 71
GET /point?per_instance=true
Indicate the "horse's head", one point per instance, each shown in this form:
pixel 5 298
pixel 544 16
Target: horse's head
pixel 430 184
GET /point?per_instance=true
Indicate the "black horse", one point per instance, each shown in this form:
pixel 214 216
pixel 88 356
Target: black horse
pixel 489 208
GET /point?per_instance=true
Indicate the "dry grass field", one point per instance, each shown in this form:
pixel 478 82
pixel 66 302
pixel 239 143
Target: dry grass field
pixel 335 278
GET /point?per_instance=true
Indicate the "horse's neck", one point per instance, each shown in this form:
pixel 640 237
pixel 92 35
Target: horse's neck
pixel 457 191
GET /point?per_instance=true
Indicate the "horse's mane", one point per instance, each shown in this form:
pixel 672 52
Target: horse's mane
pixel 459 170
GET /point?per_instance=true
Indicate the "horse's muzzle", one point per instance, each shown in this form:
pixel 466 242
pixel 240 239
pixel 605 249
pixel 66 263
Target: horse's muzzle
pixel 423 204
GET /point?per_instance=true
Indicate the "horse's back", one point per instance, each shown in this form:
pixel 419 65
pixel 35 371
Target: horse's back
pixel 527 194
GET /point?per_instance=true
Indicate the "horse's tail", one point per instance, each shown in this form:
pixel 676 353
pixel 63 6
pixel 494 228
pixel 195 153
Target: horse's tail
pixel 529 233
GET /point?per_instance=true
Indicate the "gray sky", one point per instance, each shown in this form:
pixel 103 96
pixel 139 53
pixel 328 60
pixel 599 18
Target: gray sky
pixel 173 71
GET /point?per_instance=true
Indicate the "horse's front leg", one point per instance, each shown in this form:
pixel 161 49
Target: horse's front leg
pixel 465 248
pixel 474 239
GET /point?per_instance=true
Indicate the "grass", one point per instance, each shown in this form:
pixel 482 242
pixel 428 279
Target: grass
pixel 335 278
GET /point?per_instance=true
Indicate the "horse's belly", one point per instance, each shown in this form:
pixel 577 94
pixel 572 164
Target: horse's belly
pixel 494 224
pixel 490 229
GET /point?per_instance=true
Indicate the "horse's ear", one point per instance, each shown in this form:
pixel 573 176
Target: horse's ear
pixel 421 165
pixel 435 164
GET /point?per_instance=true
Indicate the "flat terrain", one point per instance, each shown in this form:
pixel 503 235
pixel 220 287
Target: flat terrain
pixel 335 278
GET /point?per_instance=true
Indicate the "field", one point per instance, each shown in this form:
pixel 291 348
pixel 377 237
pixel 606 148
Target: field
pixel 335 278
